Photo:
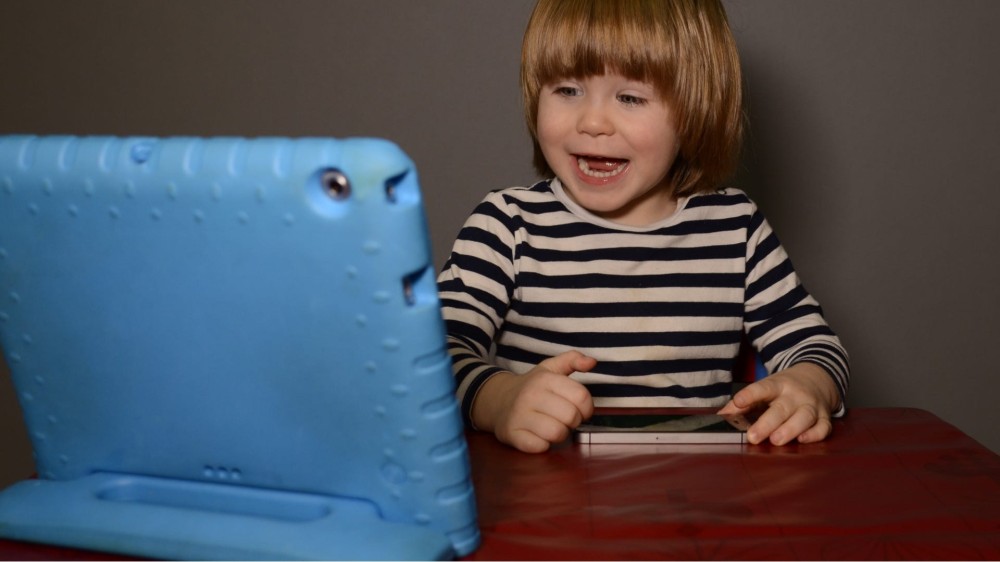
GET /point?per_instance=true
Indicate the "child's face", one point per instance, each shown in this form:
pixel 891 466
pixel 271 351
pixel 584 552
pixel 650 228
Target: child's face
pixel 611 142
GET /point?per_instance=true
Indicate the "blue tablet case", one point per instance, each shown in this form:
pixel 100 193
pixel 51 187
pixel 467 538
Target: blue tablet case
pixel 228 348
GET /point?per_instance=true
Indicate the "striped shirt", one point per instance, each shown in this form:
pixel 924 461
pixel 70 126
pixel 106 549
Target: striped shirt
pixel 662 308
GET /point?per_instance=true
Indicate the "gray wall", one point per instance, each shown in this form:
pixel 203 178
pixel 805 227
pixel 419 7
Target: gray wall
pixel 873 143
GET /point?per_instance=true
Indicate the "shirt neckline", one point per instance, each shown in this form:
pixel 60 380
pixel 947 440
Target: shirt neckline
pixel 584 214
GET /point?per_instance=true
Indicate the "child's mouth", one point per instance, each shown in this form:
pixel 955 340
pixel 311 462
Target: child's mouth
pixel 600 166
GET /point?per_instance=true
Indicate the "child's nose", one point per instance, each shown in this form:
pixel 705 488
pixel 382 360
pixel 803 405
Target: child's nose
pixel 594 120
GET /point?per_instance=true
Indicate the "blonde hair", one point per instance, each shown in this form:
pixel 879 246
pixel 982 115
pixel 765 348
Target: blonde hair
pixel 684 48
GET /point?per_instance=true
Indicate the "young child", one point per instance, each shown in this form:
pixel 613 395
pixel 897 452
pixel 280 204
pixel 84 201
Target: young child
pixel 629 278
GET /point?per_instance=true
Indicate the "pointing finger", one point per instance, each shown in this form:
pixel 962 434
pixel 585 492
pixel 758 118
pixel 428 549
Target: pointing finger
pixel 568 363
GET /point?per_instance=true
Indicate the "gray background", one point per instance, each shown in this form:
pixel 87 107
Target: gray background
pixel 873 141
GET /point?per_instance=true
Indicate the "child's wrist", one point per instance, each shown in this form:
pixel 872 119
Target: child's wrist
pixel 490 400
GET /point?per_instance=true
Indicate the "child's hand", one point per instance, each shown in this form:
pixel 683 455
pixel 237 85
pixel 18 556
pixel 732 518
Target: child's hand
pixel 534 410
pixel 799 402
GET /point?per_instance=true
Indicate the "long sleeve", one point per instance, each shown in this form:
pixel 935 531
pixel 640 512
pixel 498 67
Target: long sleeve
pixel 782 320
pixel 475 286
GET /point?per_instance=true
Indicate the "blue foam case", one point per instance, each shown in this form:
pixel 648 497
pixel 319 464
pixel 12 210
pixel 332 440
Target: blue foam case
pixel 228 348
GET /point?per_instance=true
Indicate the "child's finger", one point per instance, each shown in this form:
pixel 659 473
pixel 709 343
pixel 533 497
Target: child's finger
pixel 568 362
pixel 536 432
pixel 568 390
pixel 731 409
pixel 800 420
pixel 572 409
pixel 549 429
pixel 773 417
pixel 526 441
pixel 818 432
pixel 761 392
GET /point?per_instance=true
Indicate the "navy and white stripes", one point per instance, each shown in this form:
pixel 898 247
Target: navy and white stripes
pixel 662 308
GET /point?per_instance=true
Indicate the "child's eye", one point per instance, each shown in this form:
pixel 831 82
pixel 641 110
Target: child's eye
pixel 566 91
pixel 631 100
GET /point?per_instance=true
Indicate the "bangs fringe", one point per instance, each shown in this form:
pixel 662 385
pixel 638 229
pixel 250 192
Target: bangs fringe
pixel 590 39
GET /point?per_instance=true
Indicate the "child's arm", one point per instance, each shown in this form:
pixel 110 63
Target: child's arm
pixel 534 410
pixel 799 400
pixel 529 411
pixel 787 328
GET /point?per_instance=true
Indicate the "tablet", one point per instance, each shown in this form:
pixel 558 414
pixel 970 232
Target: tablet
pixel 228 348
pixel 662 428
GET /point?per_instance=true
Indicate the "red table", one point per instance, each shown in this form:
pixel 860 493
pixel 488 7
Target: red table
pixel 889 484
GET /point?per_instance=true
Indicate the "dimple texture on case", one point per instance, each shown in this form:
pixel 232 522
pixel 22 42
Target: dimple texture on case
pixel 209 310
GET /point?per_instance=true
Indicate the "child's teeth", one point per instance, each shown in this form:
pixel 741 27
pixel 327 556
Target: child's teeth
pixel 613 167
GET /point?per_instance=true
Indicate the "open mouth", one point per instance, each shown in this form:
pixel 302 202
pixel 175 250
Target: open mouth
pixel 600 166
